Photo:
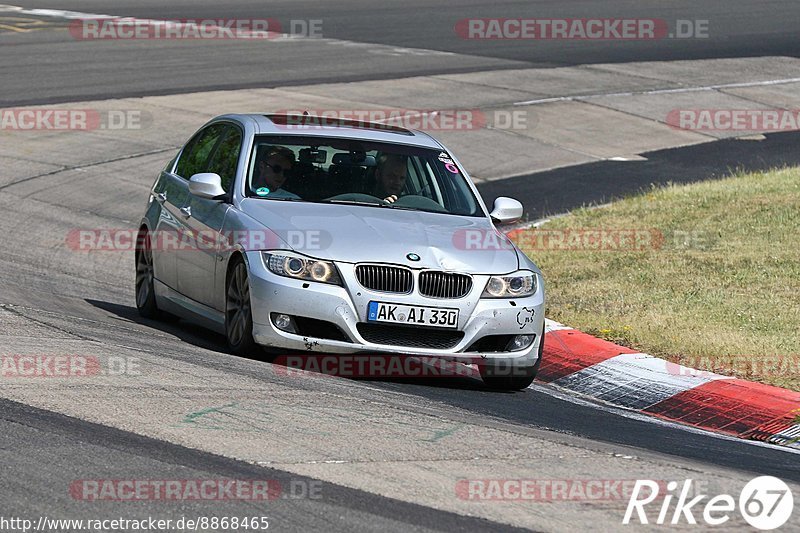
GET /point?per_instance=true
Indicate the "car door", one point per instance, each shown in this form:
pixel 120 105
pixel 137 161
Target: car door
pixel 197 266
pixel 192 160
pixel 171 192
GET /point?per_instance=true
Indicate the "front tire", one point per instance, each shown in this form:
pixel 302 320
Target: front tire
pixel 238 313
pixel 510 377
pixel 145 291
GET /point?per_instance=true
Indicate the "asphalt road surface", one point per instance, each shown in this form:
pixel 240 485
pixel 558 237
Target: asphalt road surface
pixel 60 450
pixel 386 453
pixel 362 40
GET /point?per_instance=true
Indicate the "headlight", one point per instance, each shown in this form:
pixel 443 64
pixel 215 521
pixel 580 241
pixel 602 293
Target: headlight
pixel 518 284
pixel 298 267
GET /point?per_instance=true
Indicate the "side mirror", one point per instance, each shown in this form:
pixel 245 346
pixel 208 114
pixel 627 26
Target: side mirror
pixel 206 185
pixel 506 210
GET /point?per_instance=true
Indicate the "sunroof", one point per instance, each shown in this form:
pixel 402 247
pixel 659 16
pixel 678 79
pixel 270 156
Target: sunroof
pixel 332 122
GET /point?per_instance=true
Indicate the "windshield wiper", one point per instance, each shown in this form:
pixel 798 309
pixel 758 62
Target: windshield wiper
pixel 377 204
pixel 403 207
pixel 352 202
pixel 280 199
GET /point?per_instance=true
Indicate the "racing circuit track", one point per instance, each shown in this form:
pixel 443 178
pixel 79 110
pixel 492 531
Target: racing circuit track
pixel 384 454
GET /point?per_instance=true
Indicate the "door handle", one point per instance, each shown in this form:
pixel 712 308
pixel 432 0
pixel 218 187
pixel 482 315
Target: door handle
pixel 161 197
pixel 186 211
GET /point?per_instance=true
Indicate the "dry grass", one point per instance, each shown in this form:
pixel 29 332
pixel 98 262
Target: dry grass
pixel 720 292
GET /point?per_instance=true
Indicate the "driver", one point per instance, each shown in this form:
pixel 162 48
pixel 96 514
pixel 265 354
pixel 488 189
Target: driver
pixel 273 170
pixel 390 176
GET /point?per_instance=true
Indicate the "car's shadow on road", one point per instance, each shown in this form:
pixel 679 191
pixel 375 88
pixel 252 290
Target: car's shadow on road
pixel 186 331
pixel 315 364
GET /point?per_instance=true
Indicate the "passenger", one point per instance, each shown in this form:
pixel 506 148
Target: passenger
pixel 272 171
pixel 390 176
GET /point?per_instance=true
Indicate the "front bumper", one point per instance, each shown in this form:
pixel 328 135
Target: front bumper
pixel 346 307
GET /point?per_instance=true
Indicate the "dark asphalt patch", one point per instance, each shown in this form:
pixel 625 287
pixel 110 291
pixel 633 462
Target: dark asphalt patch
pixel 561 190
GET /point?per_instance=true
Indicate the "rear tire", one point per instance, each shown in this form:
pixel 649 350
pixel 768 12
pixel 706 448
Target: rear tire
pixel 509 377
pixel 238 313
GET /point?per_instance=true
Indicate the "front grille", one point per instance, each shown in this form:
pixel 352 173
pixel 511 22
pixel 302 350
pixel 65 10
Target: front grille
pixel 385 278
pixel 444 284
pixel 409 337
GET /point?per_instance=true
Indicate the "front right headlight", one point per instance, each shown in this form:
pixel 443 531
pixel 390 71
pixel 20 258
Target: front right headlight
pixel 516 285
pixel 298 267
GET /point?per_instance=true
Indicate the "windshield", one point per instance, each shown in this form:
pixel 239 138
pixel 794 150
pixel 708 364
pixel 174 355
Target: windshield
pixel 334 170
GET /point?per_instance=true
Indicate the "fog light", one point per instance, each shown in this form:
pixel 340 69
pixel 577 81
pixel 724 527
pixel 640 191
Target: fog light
pixel 284 323
pixel 520 342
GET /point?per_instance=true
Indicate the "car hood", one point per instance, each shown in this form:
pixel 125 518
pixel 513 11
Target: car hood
pixel 358 234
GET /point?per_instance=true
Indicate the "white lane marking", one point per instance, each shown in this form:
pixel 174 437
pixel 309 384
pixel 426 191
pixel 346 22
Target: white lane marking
pixel 627 158
pixel 569 396
pixel 62 14
pixel 78 15
pixel 661 91
pixel 635 381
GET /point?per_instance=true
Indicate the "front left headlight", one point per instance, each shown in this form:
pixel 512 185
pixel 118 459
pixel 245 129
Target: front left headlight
pixel 516 285
pixel 304 268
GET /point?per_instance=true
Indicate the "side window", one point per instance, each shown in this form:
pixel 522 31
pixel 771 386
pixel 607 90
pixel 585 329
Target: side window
pixel 195 155
pixel 226 157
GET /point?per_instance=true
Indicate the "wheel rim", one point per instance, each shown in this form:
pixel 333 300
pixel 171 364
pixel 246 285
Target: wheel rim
pixel 144 273
pixel 238 305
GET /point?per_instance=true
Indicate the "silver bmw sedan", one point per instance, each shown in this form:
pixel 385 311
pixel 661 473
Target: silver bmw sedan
pixel 298 233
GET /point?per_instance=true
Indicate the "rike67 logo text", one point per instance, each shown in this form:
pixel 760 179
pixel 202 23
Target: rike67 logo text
pixel 765 503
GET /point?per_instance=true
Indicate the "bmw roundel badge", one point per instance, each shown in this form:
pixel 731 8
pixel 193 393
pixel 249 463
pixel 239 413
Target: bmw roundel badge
pixel 412 257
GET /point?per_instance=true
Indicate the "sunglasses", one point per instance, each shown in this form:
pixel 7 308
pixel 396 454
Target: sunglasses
pixel 278 169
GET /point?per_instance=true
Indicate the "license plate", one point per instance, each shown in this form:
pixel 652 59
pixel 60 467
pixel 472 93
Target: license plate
pixel 415 315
